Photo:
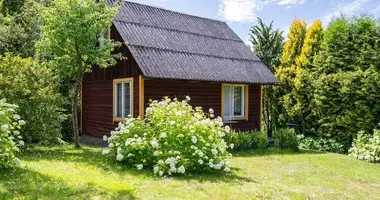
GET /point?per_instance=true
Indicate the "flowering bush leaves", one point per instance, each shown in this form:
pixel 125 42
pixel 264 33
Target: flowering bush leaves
pixel 173 139
pixel 366 147
pixel 10 138
pixel 319 144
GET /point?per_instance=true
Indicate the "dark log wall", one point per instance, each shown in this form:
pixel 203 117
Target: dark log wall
pixel 254 110
pixel 207 95
pixel 97 92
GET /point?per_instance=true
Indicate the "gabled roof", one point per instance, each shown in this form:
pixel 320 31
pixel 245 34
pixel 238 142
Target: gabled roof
pixel 172 45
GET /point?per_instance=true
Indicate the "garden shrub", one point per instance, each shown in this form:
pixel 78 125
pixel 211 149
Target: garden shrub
pixel 345 96
pixel 247 140
pixel 366 147
pixel 173 139
pixel 10 138
pixel 319 144
pixel 285 138
pixel 34 89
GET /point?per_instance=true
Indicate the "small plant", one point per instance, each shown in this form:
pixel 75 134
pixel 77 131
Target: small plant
pixel 172 139
pixel 319 144
pixel 247 140
pixel 366 147
pixel 285 138
pixel 10 138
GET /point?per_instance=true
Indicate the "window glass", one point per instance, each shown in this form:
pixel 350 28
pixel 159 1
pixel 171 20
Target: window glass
pixel 228 103
pixel 127 101
pixel 234 101
pixel 123 99
pixel 104 35
pixel 119 100
pixel 238 101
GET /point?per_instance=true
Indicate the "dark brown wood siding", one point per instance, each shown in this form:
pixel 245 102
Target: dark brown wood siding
pixel 207 95
pixel 97 92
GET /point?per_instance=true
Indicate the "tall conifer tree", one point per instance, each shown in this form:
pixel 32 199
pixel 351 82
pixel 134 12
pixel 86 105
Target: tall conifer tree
pixel 287 70
pixel 300 95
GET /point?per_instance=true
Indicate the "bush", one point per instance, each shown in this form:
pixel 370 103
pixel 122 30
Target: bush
pixel 247 140
pixel 366 147
pixel 172 139
pixel 285 138
pixel 34 89
pixel 10 138
pixel 319 144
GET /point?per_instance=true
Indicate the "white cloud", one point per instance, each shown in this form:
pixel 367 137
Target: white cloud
pixel 348 9
pixel 290 2
pixel 238 10
pixel 245 10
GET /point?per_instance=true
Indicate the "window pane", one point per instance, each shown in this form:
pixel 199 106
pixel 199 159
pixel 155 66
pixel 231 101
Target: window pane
pixel 119 100
pixel 127 99
pixel 228 103
pixel 238 101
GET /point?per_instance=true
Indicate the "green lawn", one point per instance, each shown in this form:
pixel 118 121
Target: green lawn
pixel 66 173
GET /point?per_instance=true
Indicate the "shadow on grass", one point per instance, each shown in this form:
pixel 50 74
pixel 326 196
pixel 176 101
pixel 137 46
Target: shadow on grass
pixel 21 183
pixel 93 156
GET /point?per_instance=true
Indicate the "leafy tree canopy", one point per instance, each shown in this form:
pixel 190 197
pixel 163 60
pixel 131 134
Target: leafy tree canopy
pixel 19 31
pixel 72 30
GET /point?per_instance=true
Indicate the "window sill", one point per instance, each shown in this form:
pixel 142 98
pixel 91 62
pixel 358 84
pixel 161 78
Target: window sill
pixel 230 122
pixel 235 120
pixel 241 118
pixel 120 119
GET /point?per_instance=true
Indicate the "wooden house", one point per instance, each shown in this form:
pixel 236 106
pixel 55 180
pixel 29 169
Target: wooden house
pixel 176 55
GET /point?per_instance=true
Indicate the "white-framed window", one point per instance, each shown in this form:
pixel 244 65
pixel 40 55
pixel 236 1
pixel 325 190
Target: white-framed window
pixel 105 35
pixel 235 102
pixel 123 98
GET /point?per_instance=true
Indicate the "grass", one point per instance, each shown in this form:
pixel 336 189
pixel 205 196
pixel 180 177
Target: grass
pixel 67 173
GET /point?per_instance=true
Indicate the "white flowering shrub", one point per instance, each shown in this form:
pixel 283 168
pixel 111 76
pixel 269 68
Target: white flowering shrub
pixel 366 147
pixel 173 139
pixel 10 138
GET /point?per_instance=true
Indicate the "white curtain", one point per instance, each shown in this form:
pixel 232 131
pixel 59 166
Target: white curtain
pixel 228 103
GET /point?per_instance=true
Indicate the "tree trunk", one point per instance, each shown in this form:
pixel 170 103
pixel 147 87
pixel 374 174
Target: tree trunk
pixel 74 113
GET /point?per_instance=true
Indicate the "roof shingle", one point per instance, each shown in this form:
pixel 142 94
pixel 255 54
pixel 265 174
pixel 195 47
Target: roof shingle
pixel 173 45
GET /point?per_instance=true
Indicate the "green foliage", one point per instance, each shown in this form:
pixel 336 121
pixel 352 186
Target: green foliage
pixel 330 79
pixel 286 72
pixel 10 138
pixel 285 138
pixel 71 33
pixel 11 6
pixel 19 29
pixel 366 147
pixel 34 89
pixel 297 101
pixel 319 144
pixel 346 98
pixel 173 139
pixel 267 45
pixel 71 30
pixel 247 140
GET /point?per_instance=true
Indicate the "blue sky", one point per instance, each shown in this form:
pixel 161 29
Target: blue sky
pixel 241 14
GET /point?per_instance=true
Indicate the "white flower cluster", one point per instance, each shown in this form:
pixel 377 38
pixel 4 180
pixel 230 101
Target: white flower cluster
pixel 173 139
pixel 10 138
pixel 366 147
